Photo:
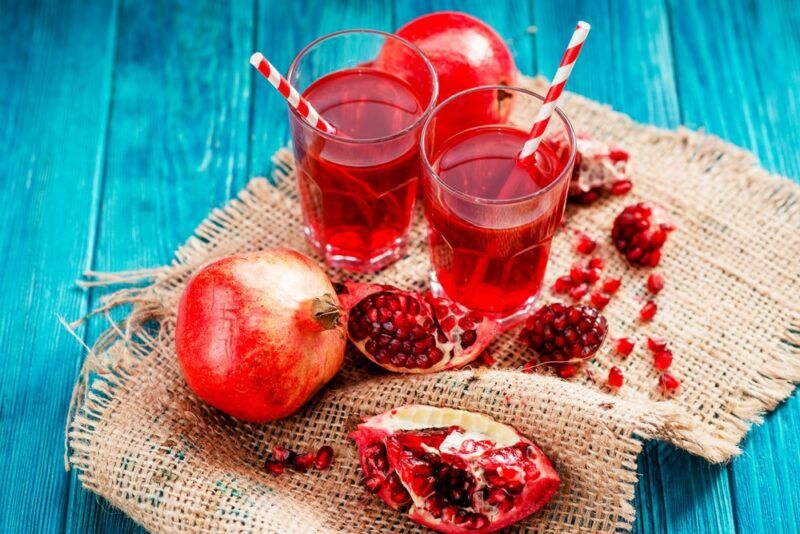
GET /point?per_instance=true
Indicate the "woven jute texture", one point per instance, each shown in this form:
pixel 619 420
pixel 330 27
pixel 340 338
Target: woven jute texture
pixel 730 310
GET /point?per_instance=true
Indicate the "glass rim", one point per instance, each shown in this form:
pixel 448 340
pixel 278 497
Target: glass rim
pixel 510 201
pixel 419 120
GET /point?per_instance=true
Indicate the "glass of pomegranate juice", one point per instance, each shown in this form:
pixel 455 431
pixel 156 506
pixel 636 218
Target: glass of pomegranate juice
pixel 358 187
pixel 491 220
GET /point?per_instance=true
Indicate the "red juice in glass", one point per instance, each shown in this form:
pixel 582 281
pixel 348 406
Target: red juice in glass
pixel 490 220
pixel 358 189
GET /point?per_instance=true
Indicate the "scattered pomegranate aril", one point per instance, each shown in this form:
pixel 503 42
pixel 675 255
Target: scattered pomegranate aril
pixel 281 454
pixel 562 284
pixel 669 384
pixel 621 187
pixel 615 378
pixel 303 462
pixel 456 471
pixel 597 263
pixel 624 346
pixel 655 283
pixel 408 332
pixel 656 344
pixel 274 467
pixel 611 285
pixel 567 370
pixel 563 333
pixel 599 300
pixel 639 233
pixel 648 311
pixel 486 358
pixel 579 291
pixel 662 360
pixel 585 244
pixel 323 458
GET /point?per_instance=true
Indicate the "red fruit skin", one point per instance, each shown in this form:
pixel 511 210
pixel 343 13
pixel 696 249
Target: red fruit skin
pixel 465 52
pixel 234 334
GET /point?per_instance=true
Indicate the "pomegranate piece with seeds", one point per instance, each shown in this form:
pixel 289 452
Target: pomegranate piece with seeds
pixel 560 333
pixel 598 167
pixel 457 471
pixel 408 332
pixel 639 233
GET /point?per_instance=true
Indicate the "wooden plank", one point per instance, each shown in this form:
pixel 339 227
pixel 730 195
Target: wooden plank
pixel 177 146
pixel 627 63
pixel 54 88
pixel 738 79
pixel 281 42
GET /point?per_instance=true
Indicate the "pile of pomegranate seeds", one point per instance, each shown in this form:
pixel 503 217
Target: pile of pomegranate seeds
pixel 639 233
pixel 580 280
pixel 560 333
pixel 281 458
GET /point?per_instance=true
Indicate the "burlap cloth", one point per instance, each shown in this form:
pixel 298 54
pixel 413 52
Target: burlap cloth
pixel 731 311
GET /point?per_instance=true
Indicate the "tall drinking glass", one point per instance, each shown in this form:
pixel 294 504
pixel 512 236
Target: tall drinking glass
pixel 358 188
pixel 491 221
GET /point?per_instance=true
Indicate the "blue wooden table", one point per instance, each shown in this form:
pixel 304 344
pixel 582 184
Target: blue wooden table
pixel 124 122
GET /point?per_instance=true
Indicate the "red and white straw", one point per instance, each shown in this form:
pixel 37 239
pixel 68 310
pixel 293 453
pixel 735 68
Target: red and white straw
pixel 525 155
pixel 290 93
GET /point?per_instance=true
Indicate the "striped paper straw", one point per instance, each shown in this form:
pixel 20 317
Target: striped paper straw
pixel 290 93
pixel 525 156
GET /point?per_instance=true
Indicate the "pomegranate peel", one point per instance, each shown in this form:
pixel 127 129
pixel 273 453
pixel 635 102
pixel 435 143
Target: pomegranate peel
pixel 456 471
pixel 408 332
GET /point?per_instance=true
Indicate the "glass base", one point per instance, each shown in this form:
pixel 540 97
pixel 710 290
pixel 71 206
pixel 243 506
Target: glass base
pixel 340 259
pixel 505 320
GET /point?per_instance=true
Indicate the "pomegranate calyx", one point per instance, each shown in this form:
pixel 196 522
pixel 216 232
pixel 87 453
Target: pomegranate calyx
pixel 326 312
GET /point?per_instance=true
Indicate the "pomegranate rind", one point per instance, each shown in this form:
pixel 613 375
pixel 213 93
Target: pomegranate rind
pixel 536 492
pixel 350 294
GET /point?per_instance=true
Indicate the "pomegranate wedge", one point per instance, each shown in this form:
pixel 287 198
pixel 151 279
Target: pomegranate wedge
pixel 409 332
pixel 455 471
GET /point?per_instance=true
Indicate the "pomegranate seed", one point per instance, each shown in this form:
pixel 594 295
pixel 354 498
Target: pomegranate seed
pixel 585 244
pixel 486 358
pixel 624 346
pixel 579 291
pixel 302 462
pixel 599 300
pixel 324 457
pixel 621 187
pixel 648 311
pixel 562 284
pixel 655 283
pixel 617 154
pixel 662 360
pixel 669 383
pixel 656 344
pixel 577 273
pixel 592 275
pixel 597 263
pixel 567 370
pixel 615 378
pixel 611 285
pixel 281 454
pixel 276 468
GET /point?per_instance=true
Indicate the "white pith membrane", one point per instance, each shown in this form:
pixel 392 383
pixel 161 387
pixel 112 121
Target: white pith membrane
pixel 448 332
pixel 492 460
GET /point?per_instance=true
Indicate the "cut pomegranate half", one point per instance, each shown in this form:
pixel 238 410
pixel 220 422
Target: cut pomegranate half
pixel 460 471
pixel 409 332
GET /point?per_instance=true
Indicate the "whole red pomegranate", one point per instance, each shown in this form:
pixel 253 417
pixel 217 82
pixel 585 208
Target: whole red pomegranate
pixel 408 332
pixel 465 52
pixel 259 333
pixel 455 471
